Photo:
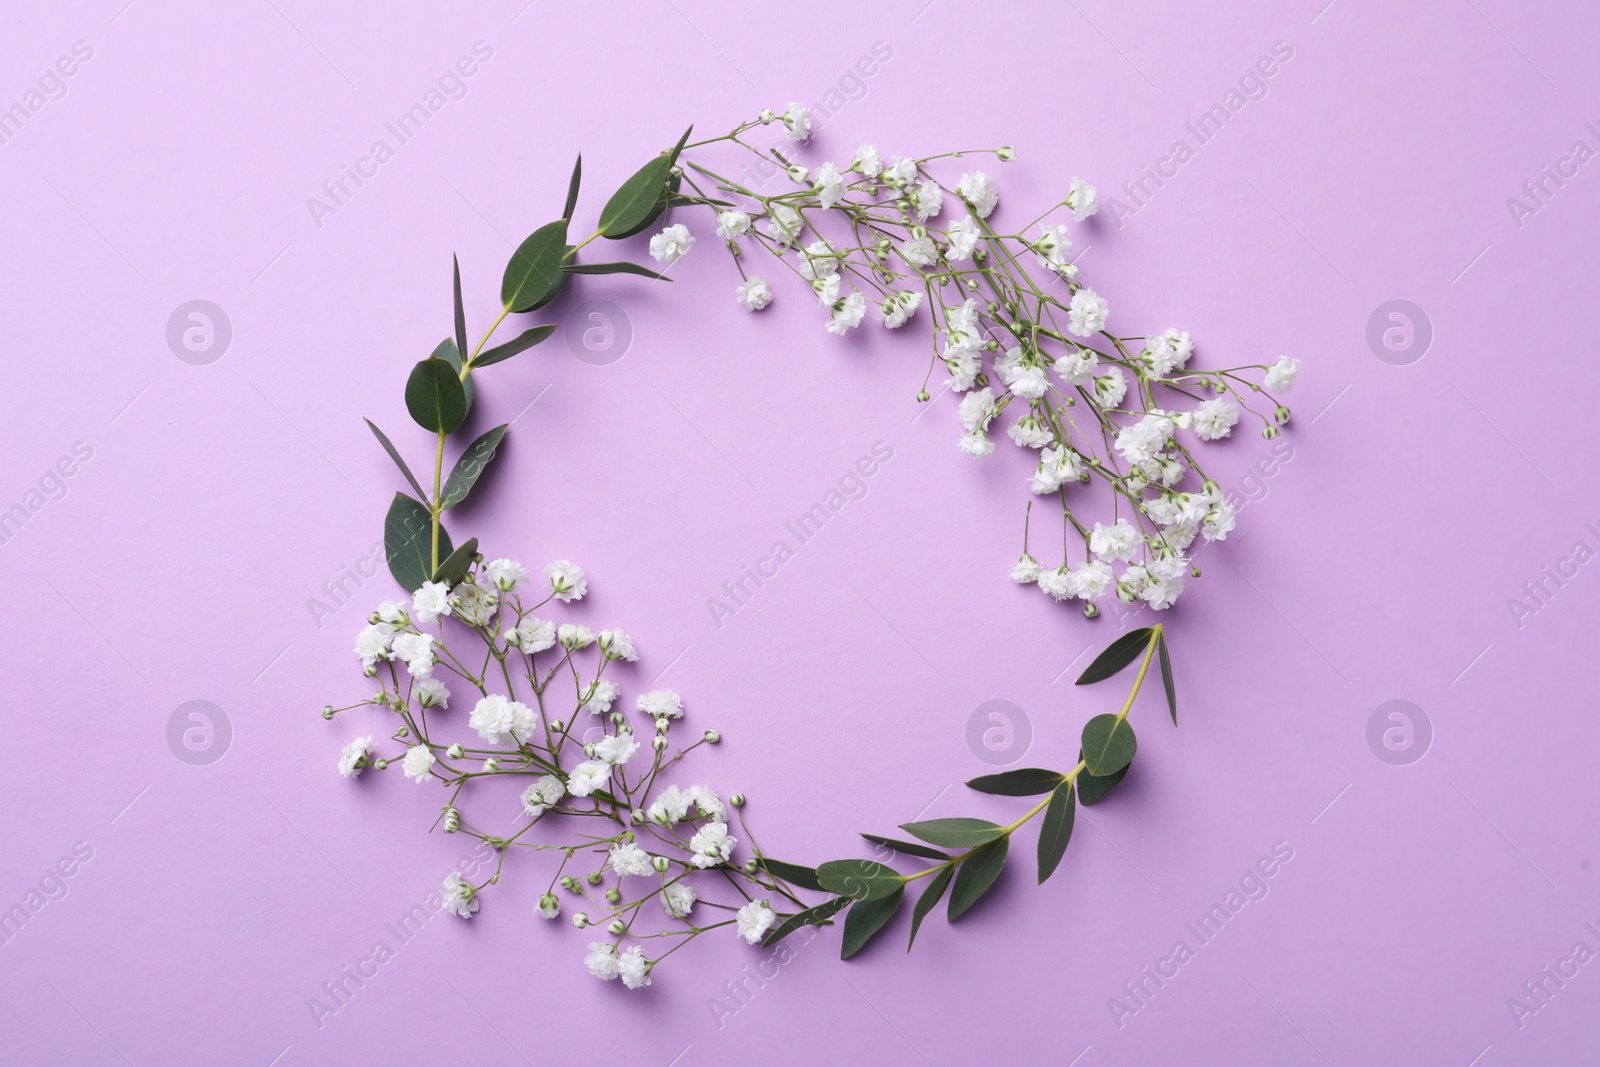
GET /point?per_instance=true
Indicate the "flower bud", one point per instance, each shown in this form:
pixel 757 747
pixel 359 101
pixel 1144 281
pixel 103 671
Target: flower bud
pixel 370 672
pixel 455 751
pixel 580 920
pixel 549 906
pixel 737 800
pixel 569 883
pixel 613 895
pixel 618 718
pixel 1210 488
pixel 637 816
pixel 1089 610
pixel 767 116
pixel 452 820
pixel 713 736
pixel 659 744
pixel 797 174
pixel 327 711
pixel 1269 432
pixel 752 865
pixel 558 725
pixel 372 620
pixel 1006 154
pixel 1194 572
pixel 618 927
pixel 404 731
pixel 972 283
pixel 923 397
pixel 661 864
pixel 379 764
pixel 594 877
pixel 491 765
pixel 1281 415
pixel 588 750
pixel 663 725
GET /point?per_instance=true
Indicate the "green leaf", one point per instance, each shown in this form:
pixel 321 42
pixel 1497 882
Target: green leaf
pixel 448 352
pixel 953 833
pixel 672 157
pixel 1166 677
pixel 1108 744
pixel 685 201
pixel 572 188
pixel 461 309
pixel 1117 655
pixel 533 277
pixel 394 454
pixel 859 879
pixel 408 541
pixel 614 268
pixel 639 202
pixel 976 875
pixel 925 903
pixel 470 464
pixel 816 916
pixel 1023 782
pixel 521 343
pixel 434 396
pixel 910 848
pixel 454 567
pixel 866 918
pixel 1056 830
pixel 793 873
pixel 1092 790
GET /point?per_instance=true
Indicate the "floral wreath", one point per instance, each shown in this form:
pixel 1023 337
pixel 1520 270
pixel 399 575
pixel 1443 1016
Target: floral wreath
pixel 648 859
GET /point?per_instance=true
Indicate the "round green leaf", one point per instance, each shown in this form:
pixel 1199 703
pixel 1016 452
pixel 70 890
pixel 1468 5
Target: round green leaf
pixel 1108 744
pixel 434 396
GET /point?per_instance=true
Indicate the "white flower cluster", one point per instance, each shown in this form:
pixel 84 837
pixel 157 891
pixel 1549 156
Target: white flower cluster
pixel 668 834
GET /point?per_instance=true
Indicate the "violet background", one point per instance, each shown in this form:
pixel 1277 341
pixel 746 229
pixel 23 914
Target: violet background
pixel 1378 566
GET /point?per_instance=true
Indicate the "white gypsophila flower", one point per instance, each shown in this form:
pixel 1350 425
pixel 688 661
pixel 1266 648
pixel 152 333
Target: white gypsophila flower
pixel 1077 367
pixel 1219 522
pixel 731 224
pixel 867 163
pixel 1280 376
pixel 1167 352
pixel 431 693
pixel 534 634
pixel 1057 467
pixel 817 260
pixel 707 804
pixel 1029 382
pixel 602 961
pixel 473 604
pixel 1008 365
pixel 964 361
pixel 976 444
pixel 1026 571
pixel 1110 387
pixel 574 635
pixel 920 251
pixel 828 183
pixel 660 704
pixel 1214 419
pixel 671 244
pixel 1132 583
pixel 616 749
pixel 848 315
pixel 588 776
pixel 1029 432
pixel 978 190
pixel 1053 247
pixel 459 896
pixel 1057 582
pixel 543 795
pixel 711 845
pixel 416 650
pixel 1083 199
pixel 784 224
pixel 1141 442
pixel 902 172
pixel 418 763
pixel 1180 536
pixel 1118 541
pixel 755 919
pixel 898 307
pixel 628 858
pixel 499 719
pixel 549 906
pixel 1090 580
pixel 753 293
pixel 961 323
pixel 353 757
pixel 797 121
pixel 827 289
pixel 634 967
pixel 929 199
pixel 670 807
pixel 962 238
pixel 505 574
pixel 678 899
pixel 567 582
pixel 431 601
pixel 1087 314
pixel 1166 577
pixel 977 409
pixel 373 643
pixel 617 645
pixel 601 696
pixel 392 612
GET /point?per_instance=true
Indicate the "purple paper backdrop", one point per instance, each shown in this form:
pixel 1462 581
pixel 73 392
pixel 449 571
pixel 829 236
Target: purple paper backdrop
pixel 1428 485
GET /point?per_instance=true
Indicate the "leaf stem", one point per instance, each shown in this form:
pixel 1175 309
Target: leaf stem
pixel 1144 668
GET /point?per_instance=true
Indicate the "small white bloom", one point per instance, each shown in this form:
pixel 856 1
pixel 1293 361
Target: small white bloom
pixel 661 703
pixel 588 776
pixel 902 173
pixel 849 313
pixel 1057 467
pixel 1118 541
pixel 754 293
pixel 473 604
pixel 976 410
pixel 827 289
pixel 431 601
pixel 678 899
pixel 602 696
pixel 616 749
pixel 617 645
pixel 549 906
pixel 1029 432
pixel 784 224
pixel 419 763
pixel 505 574
pixel 671 244
pixel 602 961
pixel 920 251
pixel 353 757
pixel 929 199
pixel 1057 582
pixel 1029 382
pixel 755 919
pixel 1219 522
pixel 706 803
pixel 731 224
pixel 1280 377
pixel 867 163
pixel 543 795
pixel 1214 419
pixel 1026 572
pixel 976 444
pixel 459 896
pixel 392 612
pixel 964 361
pixel 566 580
pixel 1053 247
pixel 1166 577
pixel 978 190
pixel 1090 580
pixel 962 238
pixel 1141 443
pixel 534 634
pixel 1083 199
pixel 1077 367
pixel 373 643
pixel 899 306
pixel 499 720
pixel 670 807
pixel 711 845
pixel 797 122
pixel 1110 387
pixel 634 968
pixel 828 183
pixel 1166 352
pixel 1087 314
pixel 628 858
pixel 574 635
pixel 818 260
pixel 431 693
pixel 416 650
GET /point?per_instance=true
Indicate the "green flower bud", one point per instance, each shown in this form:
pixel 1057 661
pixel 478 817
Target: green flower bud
pixel 1006 154
pixel 327 711
pixel 613 895
pixel 455 751
pixel 737 800
pixel 618 927
pixel 594 877
pixel 923 397
pixel 1281 415
pixel 658 743
pixel 580 920
pixel 661 864
pixel 1269 432
pixel 379 764
pixel 713 736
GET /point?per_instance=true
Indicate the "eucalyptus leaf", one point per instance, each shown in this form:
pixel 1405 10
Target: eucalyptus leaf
pixel 517 345
pixel 925 903
pixel 614 268
pixel 460 308
pixel 793 873
pixel 408 541
pixel 910 848
pixel 533 276
pixel 866 918
pixel 434 396
pixel 572 189
pixel 469 465
pixel 1166 676
pixel 953 833
pixel 454 567
pixel 859 879
pixel 1117 655
pixel 394 454
pixel 1056 830
pixel 816 916
pixel 639 201
pixel 1022 782
pixel 1092 789
pixel 448 352
pixel 1108 744
pixel 976 875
